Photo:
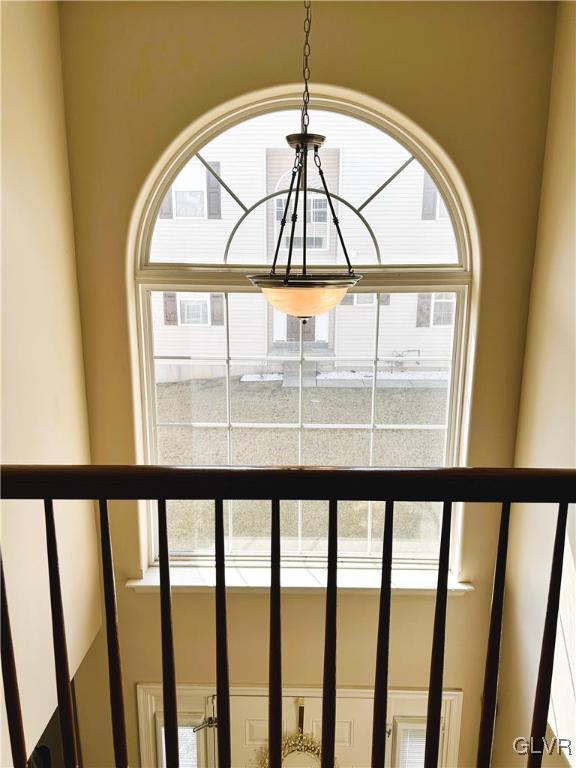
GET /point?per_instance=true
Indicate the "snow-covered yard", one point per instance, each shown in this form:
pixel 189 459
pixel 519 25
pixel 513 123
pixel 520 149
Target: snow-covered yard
pixel 268 411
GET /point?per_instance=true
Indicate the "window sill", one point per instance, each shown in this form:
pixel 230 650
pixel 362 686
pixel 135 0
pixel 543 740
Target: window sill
pixel 254 579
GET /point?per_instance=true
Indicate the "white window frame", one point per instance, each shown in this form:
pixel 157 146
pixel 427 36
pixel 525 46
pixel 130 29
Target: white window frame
pixel 438 277
pixel 451 448
pixel 195 702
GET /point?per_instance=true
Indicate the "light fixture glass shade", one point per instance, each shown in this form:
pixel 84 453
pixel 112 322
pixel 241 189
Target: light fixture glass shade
pixel 304 295
pixel 304 302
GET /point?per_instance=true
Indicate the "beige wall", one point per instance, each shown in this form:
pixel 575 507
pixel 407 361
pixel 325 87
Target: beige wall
pixel 44 416
pixel 476 77
pixel 547 423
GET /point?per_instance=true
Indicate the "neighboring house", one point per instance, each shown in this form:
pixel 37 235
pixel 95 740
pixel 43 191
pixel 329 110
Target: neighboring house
pixel 409 220
pixel 416 327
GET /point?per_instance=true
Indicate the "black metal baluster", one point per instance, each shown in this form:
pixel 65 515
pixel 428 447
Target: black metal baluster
pixel 433 719
pixel 275 658
pixel 168 665
pixel 76 727
pixel 222 682
pixel 383 642
pixel 63 691
pixel 10 679
pixel 114 665
pixel 329 685
pixel 546 668
pixel 492 670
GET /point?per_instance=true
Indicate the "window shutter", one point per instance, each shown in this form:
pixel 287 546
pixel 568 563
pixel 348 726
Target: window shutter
pixel 170 309
pixel 217 309
pixel 423 310
pixel 348 298
pixel 385 299
pixel 166 211
pixel 214 192
pixel 429 195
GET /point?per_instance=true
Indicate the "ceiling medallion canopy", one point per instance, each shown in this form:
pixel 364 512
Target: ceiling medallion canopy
pixel 304 294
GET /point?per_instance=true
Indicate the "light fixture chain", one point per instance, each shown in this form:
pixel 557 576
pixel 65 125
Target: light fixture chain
pixel 306 294
pixel 306 64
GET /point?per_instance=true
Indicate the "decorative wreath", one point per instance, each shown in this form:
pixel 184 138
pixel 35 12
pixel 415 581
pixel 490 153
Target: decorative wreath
pixel 294 742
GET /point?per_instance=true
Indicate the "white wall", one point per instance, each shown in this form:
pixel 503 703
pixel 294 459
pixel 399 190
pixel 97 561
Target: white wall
pixel 136 76
pixel 44 417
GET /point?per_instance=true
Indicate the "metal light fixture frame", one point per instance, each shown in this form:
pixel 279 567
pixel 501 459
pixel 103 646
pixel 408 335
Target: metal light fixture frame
pixel 303 144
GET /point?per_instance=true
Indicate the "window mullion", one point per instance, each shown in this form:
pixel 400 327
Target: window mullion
pixel 373 413
pixel 228 413
pixel 300 435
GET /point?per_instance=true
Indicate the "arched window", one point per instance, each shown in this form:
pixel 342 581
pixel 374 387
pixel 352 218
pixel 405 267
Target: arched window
pixel 375 382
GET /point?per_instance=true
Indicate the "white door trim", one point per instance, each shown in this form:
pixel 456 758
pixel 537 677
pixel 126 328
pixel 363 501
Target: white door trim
pixel 193 699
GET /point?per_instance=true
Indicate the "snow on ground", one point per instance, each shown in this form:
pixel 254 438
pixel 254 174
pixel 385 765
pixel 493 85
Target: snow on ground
pixel 259 399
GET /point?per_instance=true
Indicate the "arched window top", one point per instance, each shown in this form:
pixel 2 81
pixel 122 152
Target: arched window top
pixel 214 207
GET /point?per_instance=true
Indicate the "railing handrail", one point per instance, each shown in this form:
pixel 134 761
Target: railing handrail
pixel 504 486
pixel 478 484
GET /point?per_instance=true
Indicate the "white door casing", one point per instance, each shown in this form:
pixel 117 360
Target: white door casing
pixel 249 722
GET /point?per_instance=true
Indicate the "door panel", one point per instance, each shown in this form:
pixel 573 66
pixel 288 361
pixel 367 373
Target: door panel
pixel 293 329
pixel 249 716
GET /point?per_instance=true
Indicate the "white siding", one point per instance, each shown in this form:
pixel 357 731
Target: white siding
pixel 358 159
pixel 182 340
pixel 367 158
pixel 351 327
pixel 248 330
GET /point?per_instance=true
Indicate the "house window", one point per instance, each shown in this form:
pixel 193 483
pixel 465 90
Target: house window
pixel 234 383
pixel 189 203
pixel 435 309
pixel 195 194
pixel 194 311
pixel 365 299
pixel 189 190
pixel 410 742
pixel 443 308
pixel 193 308
pixel 317 224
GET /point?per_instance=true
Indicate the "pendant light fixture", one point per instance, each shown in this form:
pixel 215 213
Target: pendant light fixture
pixel 304 294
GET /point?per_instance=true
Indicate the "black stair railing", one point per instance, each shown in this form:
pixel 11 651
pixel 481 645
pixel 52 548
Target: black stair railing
pixel 162 484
